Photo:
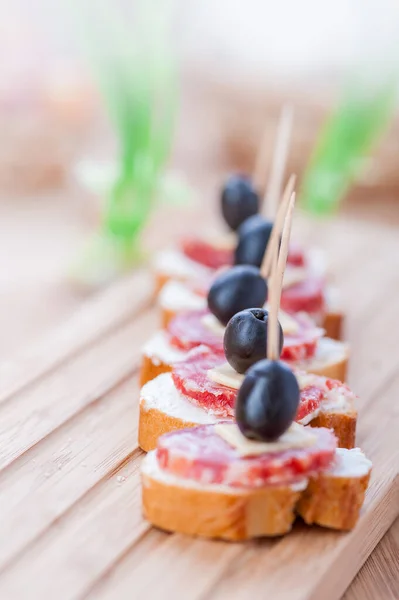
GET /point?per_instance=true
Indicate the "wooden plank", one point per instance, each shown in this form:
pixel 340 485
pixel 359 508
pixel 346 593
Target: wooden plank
pixel 61 470
pixel 97 317
pixel 46 405
pixel 379 576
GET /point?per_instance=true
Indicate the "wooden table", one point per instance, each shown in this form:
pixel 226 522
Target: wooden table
pixel 70 522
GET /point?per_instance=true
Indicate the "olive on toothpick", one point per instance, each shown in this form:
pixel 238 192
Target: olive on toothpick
pixel 234 290
pixel 245 338
pixel 253 238
pixel 239 200
pixel 267 401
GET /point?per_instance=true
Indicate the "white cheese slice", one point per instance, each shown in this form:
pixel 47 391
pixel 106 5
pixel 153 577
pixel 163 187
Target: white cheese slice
pixel 212 324
pixel 295 437
pixel 294 275
pixel 226 241
pixel 225 375
pixel 288 324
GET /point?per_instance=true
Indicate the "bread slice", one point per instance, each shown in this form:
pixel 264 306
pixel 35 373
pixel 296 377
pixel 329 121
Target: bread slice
pixel 216 511
pixel 172 264
pixel 333 324
pixel 334 498
pixel 163 408
pixel 331 359
pixel 158 357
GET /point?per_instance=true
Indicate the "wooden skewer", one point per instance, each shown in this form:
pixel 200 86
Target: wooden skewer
pixel 279 160
pixel 272 325
pixel 266 265
pixel 277 281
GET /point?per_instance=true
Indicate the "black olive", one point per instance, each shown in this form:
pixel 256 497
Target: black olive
pixel 267 401
pixel 233 290
pixel 253 237
pixel 239 200
pixel 245 338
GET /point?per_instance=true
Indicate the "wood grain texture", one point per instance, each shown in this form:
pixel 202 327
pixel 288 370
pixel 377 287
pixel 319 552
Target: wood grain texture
pixel 70 506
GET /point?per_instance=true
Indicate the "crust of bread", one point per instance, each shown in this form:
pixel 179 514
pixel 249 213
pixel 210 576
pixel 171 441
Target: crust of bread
pixel 335 370
pixel 160 280
pixel 166 316
pixel 149 370
pixel 333 325
pixel 234 515
pixel 343 424
pixel 333 502
pixel 153 423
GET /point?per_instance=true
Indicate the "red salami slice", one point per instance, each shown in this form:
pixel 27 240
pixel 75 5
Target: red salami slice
pixel 200 454
pixel 214 257
pixel 303 344
pixel 190 377
pixel 206 254
pixel 306 296
pixel 296 256
pixel 187 330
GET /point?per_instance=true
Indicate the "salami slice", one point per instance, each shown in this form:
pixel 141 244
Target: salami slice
pixel 306 296
pixel 296 256
pixel 303 344
pixel 200 454
pixel 206 254
pixel 190 377
pixel 187 330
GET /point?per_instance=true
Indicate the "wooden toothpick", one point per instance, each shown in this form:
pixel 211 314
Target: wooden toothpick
pixel 266 265
pixel 272 322
pixel 276 282
pixel 279 160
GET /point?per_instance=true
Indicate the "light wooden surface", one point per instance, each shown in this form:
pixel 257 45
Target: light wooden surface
pixel 70 521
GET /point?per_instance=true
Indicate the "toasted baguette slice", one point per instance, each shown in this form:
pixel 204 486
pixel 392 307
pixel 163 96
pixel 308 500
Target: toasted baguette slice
pixel 158 357
pixel 333 324
pixel 334 498
pixel 163 408
pixel 331 359
pixel 173 265
pixel 216 511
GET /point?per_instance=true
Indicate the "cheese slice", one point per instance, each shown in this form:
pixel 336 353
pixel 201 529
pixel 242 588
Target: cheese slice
pixel 293 275
pixel 288 324
pixel 224 374
pixel 296 436
pixel 227 241
pixel 212 324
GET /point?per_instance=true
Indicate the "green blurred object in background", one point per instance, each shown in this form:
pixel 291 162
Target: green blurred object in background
pixel 348 136
pixel 137 74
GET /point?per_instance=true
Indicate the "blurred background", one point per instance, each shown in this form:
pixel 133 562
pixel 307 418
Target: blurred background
pixel 236 64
